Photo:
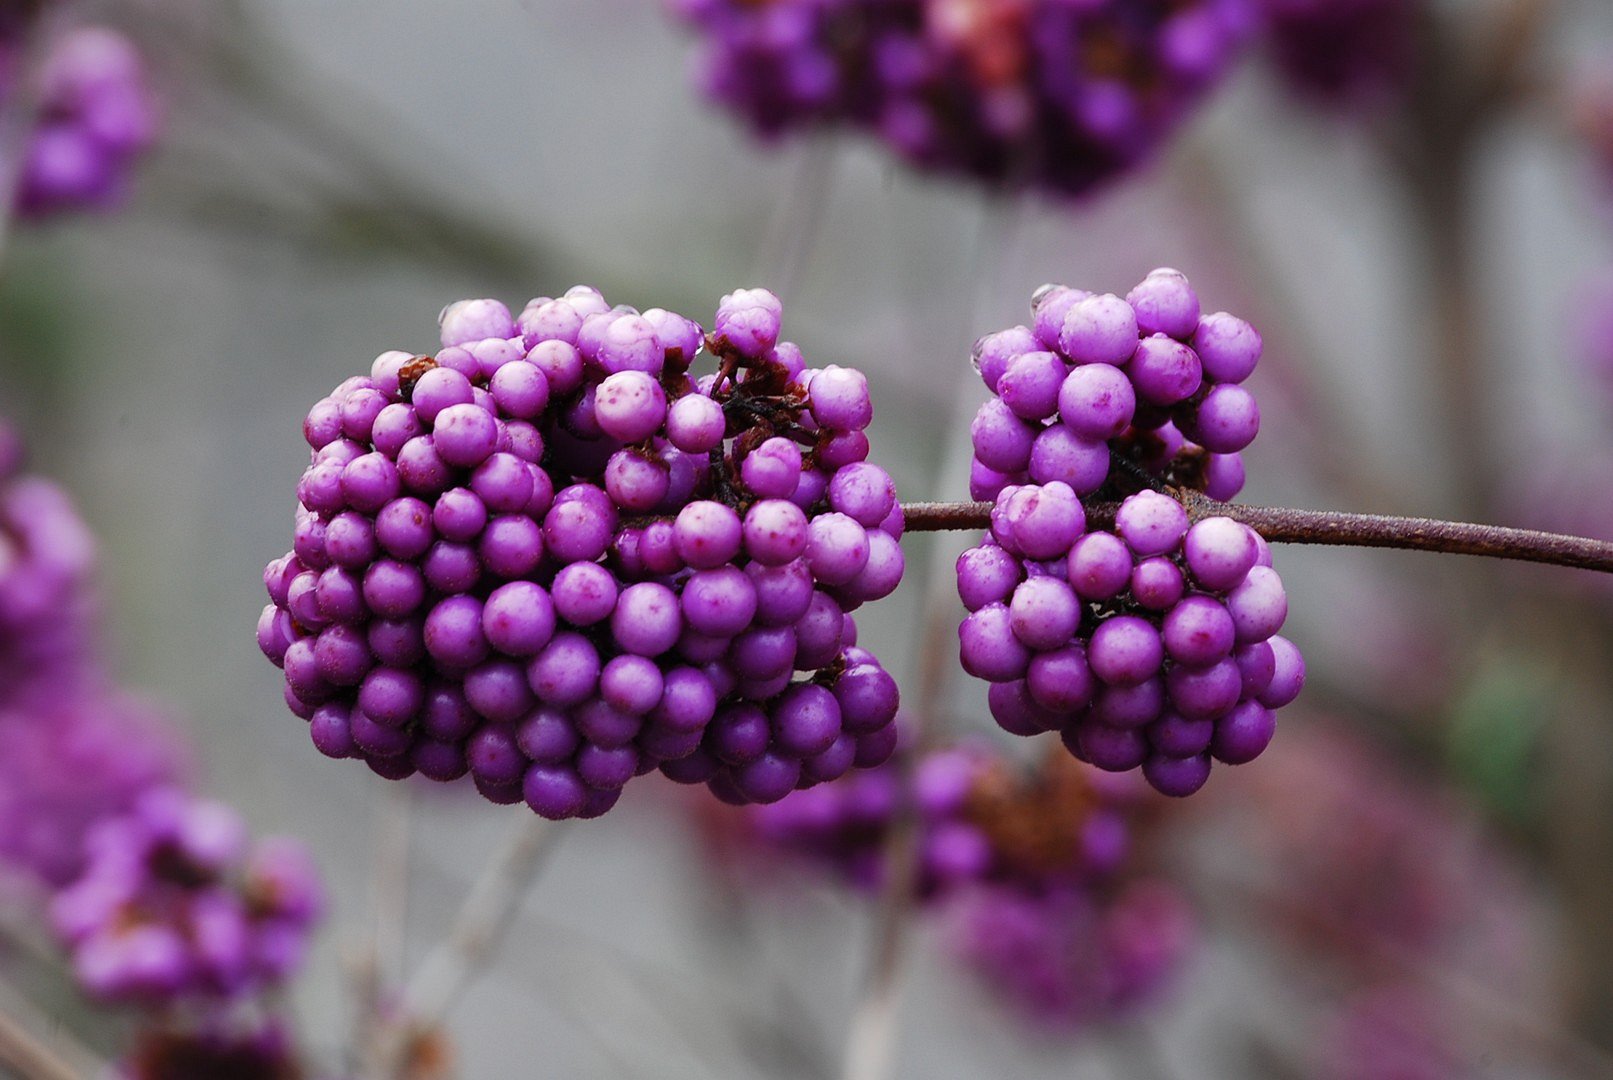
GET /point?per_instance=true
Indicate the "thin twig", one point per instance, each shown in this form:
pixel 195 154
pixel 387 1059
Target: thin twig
pixel 482 921
pixel 1283 525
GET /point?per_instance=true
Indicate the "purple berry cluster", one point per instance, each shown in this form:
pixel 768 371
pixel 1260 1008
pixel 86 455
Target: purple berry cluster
pixel 1357 53
pixel 97 116
pixel 47 595
pixel 981 820
pixel 176 905
pixel 1069 958
pixel 67 765
pixel 1037 92
pixel 1152 642
pixel 551 558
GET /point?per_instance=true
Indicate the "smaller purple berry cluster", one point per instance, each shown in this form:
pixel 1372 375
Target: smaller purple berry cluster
pixel 550 558
pixel 176 905
pixel 980 819
pixel 1035 92
pixel 1153 643
pixel 96 116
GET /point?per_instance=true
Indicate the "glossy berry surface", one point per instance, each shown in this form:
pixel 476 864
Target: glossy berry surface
pixel 554 557
pixel 1148 641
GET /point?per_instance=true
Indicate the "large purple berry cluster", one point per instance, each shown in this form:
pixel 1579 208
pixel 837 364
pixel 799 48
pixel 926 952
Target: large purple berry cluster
pixel 1040 92
pixel 1344 52
pixel 96 116
pixel 47 596
pixel 176 905
pixel 551 558
pixel 980 820
pixel 1150 642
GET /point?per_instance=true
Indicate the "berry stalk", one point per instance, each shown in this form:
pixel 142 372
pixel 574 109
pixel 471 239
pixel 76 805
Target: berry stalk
pixel 1285 525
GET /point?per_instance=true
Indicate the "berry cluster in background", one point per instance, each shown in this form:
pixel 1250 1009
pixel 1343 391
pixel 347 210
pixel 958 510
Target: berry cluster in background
pixel 553 559
pixel 1149 641
pixel 1037 93
pixel 1033 871
pixel 95 115
pixel 159 900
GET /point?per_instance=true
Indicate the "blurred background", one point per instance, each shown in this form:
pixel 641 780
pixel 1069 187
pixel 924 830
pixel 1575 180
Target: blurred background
pixel 1422 865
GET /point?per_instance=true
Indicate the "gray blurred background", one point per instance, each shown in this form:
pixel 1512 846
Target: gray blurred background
pixel 335 173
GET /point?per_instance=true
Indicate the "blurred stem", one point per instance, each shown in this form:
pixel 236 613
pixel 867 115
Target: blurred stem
pixel 870 1052
pixel 797 218
pixel 483 920
pixel 28 1056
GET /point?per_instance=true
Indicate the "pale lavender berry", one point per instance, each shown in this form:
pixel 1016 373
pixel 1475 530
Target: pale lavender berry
pixel 993 353
pixel 1044 521
pixel 1219 553
pixel 465 435
pixel 1165 304
pixel 1151 523
pixel 987 575
pixel 1002 441
pixel 837 548
pixel 695 424
pixel 773 469
pixel 1227 420
pixel 1258 605
pixel 647 619
pixel 750 320
pixel 520 390
pixel 863 492
pixel 1044 613
pixel 707 534
pixel 1097 401
pixel 1030 387
pixel 1228 347
pixel 775 532
pixel 630 406
pixel 1099 330
pixel 1059 454
pixel 839 399
pixel 473 320
pixel 988 648
pixel 1288 674
pixel 1099 566
pixel 518 618
pixel 1164 371
pixel 1125 650
pixel 439 389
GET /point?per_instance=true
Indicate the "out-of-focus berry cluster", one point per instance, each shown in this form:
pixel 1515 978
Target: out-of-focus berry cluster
pixel 979 819
pixel 1150 641
pixel 553 559
pixel 159 901
pixel 95 115
pixel 1043 93
pixel 177 905
pixel 1031 871
pixel 47 595
pixel 1344 53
